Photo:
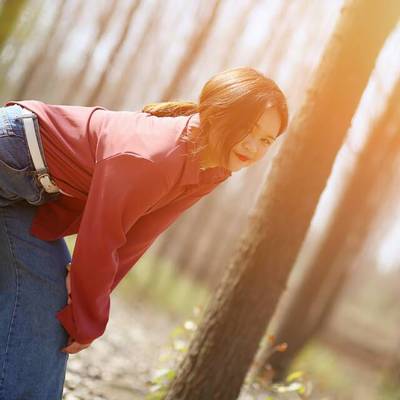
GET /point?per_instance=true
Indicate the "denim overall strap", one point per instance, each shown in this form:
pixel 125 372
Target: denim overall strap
pixel 18 177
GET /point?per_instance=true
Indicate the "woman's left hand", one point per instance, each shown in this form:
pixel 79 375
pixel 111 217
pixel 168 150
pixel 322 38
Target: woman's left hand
pixel 74 347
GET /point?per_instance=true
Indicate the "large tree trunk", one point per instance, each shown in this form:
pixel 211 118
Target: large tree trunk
pixel 343 240
pixel 224 346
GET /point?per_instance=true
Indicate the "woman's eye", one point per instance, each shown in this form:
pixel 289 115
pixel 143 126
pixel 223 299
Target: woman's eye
pixel 266 141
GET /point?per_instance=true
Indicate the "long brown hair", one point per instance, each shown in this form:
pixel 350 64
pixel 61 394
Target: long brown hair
pixel 231 102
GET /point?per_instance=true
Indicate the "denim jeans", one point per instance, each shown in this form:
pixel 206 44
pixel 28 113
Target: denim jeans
pixel 32 278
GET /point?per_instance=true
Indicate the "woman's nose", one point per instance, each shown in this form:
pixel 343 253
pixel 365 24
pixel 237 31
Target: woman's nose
pixel 250 144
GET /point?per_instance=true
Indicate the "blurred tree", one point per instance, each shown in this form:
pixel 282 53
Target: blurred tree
pixel 237 30
pixel 40 54
pixel 277 36
pixel 94 94
pixel 118 90
pixel 17 42
pixel 225 343
pixel 191 242
pixel 9 14
pixel 350 223
pixel 195 45
pixel 103 24
pixel 43 84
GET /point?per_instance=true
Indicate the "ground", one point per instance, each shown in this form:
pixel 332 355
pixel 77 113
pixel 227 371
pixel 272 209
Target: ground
pixel 118 365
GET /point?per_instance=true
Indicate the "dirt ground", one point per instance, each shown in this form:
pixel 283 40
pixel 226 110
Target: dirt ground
pixel 117 365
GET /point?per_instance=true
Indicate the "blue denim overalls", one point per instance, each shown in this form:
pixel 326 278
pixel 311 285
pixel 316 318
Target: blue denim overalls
pixel 32 277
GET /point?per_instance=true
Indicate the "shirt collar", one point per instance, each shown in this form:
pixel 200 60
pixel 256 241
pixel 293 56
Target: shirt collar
pixel 192 174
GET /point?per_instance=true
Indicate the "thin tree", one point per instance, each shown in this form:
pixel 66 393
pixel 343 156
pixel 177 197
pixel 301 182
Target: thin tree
pixel 117 95
pixel 195 45
pixel 235 321
pixel 9 14
pixel 103 24
pixel 114 53
pixel 40 54
pixel 237 30
pixel 46 71
pixel 281 31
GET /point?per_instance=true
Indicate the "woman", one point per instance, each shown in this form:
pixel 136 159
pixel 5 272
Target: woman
pixel 118 179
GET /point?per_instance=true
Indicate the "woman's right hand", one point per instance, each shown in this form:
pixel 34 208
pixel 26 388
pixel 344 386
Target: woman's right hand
pixel 72 346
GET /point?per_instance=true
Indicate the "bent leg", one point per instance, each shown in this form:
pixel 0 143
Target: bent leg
pixel 32 290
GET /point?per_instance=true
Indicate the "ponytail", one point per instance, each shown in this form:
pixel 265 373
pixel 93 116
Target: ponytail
pixel 171 108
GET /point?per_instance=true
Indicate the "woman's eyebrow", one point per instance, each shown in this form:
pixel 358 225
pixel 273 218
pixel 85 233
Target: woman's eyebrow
pixel 269 136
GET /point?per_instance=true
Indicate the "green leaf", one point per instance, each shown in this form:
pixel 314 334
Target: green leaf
pixel 293 387
pixel 178 331
pixel 163 375
pixel 294 376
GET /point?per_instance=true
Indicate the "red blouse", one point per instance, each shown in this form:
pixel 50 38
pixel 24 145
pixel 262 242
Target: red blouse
pixel 130 176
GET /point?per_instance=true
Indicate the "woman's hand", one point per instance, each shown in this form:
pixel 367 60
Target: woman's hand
pixel 72 346
pixel 68 283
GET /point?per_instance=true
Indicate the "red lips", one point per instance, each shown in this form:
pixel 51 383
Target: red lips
pixel 241 157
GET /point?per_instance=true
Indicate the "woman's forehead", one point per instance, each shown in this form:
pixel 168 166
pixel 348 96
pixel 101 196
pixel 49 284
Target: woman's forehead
pixel 269 120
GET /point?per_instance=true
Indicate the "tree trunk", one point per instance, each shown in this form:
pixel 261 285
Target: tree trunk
pixel 224 346
pixel 18 43
pixel 32 67
pixel 46 70
pixel 196 43
pixel 342 242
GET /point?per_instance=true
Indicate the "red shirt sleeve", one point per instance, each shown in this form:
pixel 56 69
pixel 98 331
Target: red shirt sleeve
pixel 149 227
pixel 123 187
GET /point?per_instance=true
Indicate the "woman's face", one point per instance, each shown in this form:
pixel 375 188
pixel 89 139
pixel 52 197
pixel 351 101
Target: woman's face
pixel 254 146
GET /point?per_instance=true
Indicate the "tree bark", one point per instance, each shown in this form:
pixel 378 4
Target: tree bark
pixel 224 346
pixel 343 240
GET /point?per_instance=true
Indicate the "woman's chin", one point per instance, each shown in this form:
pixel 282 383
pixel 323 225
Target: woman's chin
pixel 234 166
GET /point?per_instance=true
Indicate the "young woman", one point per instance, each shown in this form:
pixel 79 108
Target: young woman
pixel 118 179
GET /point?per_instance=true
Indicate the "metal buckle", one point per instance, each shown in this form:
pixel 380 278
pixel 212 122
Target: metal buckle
pixel 49 185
